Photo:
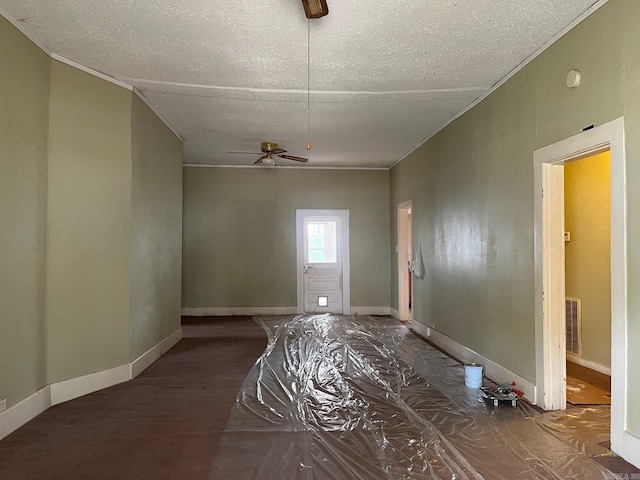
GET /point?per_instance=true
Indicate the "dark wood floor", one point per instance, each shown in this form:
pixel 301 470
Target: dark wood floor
pixel 589 376
pixel 165 424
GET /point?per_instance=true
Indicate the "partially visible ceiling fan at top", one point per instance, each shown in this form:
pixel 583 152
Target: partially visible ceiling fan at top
pixel 315 8
pixel 270 150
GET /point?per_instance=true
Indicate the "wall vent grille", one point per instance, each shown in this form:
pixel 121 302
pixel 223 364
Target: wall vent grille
pixel 574 326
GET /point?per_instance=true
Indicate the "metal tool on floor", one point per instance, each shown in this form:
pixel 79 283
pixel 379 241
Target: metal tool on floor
pixel 501 393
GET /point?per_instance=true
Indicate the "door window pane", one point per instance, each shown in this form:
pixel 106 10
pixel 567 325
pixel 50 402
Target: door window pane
pixel 321 241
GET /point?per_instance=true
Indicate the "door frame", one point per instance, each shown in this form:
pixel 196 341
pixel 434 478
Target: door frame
pixel 346 264
pixel 549 273
pixel 402 253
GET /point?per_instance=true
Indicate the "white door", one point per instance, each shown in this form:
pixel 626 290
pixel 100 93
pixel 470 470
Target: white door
pixel 321 257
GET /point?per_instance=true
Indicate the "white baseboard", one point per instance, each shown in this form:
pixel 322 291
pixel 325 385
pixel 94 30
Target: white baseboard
pixel 492 370
pixel 370 310
pixel 421 328
pixel 77 387
pixel 231 311
pixel 17 415
pixel 250 311
pixel 23 411
pixel 598 367
pixel 394 313
pixel 145 360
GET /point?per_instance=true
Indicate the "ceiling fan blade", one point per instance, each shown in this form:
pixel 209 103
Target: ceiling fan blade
pixel 260 159
pixel 278 151
pixel 245 153
pixel 297 159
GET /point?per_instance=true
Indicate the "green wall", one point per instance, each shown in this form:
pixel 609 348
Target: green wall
pixel 239 244
pixel 90 193
pixel 156 242
pixel 472 194
pixel 472 191
pixel 24 106
pixel 88 288
pixel 587 207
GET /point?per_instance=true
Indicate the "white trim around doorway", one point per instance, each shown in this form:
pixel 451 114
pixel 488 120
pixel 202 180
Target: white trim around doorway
pixel 549 275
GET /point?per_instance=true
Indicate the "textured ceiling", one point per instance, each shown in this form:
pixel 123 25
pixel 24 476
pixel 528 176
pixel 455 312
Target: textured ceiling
pixel 229 74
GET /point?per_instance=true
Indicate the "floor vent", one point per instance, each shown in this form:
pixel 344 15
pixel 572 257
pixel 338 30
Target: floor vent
pixel 574 324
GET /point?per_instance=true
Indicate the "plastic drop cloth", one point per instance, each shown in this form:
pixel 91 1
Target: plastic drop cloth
pixel 342 397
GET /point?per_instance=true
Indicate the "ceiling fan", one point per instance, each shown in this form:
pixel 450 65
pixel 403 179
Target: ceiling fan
pixel 270 150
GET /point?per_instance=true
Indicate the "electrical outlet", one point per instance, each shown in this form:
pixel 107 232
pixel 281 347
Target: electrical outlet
pixel 3 405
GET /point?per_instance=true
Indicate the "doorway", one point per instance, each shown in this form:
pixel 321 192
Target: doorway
pixel 587 245
pixel 550 274
pixel 404 250
pixel 322 238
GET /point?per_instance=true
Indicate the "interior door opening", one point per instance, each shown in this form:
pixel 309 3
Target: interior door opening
pixel 550 307
pixel 587 253
pixel 405 257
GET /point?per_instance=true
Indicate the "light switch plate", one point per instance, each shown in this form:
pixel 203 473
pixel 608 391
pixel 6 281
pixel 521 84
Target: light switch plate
pixel 3 405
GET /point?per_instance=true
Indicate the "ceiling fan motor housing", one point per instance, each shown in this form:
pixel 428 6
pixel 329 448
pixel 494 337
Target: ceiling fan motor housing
pixel 268 147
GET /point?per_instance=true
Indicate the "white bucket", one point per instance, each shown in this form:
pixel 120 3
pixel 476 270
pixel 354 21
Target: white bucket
pixel 473 375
